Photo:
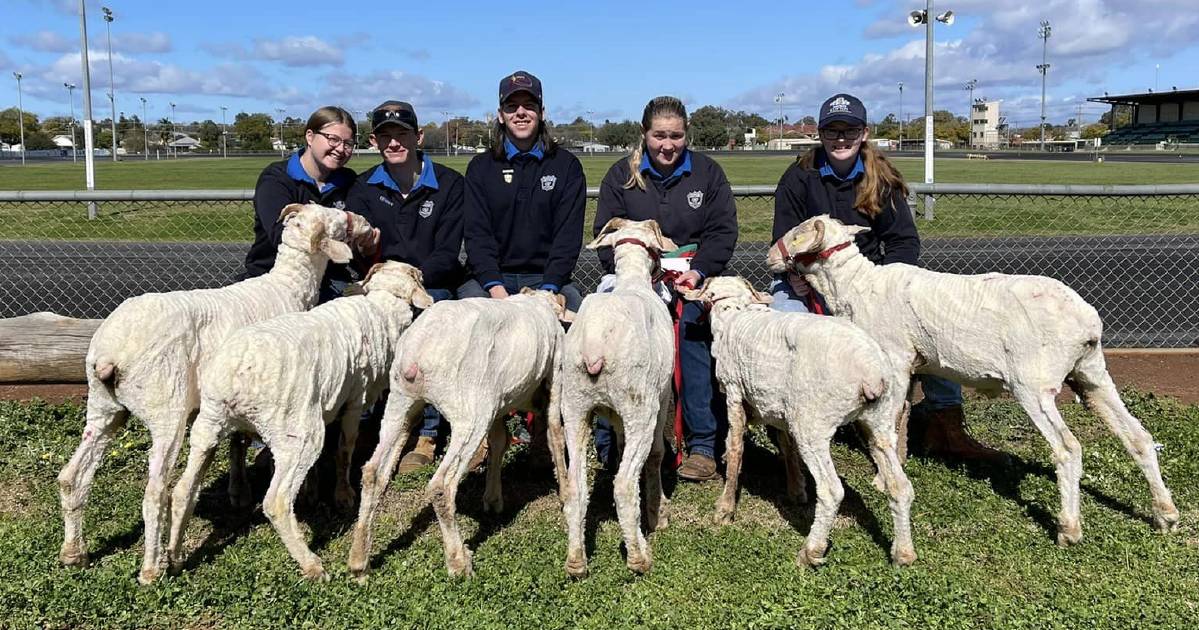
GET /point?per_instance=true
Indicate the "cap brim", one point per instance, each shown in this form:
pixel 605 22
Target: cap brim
pixel 845 118
pixel 392 122
pixel 519 90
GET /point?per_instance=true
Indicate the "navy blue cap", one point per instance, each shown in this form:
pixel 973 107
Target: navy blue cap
pixel 394 113
pixel 520 81
pixel 844 108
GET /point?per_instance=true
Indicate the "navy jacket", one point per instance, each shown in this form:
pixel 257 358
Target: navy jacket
pixel 424 230
pixel 282 183
pixel 524 214
pixel 806 193
pixel 693 205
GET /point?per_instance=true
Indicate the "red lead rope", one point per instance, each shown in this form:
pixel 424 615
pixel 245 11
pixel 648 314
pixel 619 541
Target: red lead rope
pixel 668 278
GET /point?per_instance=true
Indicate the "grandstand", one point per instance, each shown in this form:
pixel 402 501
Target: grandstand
pixel 1156 117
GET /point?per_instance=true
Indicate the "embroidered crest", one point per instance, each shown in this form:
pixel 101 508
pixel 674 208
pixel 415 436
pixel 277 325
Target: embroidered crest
pixel 426 209
pixel 695 199
pixel 548 181
pixel 507 176
pixel 339 205
pixel 839 106
pixel 387 201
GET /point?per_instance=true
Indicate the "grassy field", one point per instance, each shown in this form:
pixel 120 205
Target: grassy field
pixel 957 215
pixel 985 539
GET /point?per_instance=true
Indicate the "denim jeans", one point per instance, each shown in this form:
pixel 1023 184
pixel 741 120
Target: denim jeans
pixel 785 299
pixel 514 282
pixel 939 393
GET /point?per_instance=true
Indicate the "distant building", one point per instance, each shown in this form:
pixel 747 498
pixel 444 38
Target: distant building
pixel 791 144
pixel 185 142
pixel 63 141
pixel 1158 118
pixel 594 147
pixel 984 124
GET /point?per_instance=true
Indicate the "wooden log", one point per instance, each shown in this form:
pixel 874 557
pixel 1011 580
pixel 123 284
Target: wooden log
pixel 44 348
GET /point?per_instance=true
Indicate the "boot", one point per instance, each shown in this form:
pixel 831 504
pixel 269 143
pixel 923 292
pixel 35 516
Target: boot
pixel 941 433
pixel 420 456
pixel 697 467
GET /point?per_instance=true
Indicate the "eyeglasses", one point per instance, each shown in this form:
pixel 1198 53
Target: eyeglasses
pixel 337 141
pixel 850 133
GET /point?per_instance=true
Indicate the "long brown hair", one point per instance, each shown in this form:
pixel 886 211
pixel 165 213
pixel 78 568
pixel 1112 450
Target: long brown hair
pixel 331 114
pixel 879 183
pixel 660 106
pixel 499 133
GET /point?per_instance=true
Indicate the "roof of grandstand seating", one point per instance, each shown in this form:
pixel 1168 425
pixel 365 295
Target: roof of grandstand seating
pixel 1151 97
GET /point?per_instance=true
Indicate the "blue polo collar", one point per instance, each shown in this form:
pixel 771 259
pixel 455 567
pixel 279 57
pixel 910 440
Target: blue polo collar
pixel 338 179
pixel 427 179
pixel 684 168
pixel 826 169
pixel 511 151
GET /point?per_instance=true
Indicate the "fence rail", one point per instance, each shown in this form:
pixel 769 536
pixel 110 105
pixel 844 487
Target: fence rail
pixel 1132 251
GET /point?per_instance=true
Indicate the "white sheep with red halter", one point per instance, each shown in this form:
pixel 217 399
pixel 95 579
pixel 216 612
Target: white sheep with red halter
pixel 148 356
pixel 474 360
pixel 617 360
pixel 805 375
pixel 285 379
pixel 993 332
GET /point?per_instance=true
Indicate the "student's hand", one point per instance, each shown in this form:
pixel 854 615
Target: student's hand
pixel 498 292
pixel 368 244
pixel 688 280
pixel 798 284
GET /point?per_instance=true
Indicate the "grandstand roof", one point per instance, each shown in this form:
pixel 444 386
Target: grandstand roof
pixel 1146 98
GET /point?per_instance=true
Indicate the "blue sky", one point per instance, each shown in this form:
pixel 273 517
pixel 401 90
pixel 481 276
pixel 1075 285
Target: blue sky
pixel 608 58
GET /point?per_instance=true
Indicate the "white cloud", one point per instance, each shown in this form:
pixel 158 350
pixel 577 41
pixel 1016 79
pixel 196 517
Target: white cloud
pixel 140 76
pixel 296 51
pixel 142 42
pixel 46 41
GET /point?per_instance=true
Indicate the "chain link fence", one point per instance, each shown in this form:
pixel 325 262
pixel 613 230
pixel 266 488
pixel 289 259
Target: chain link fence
pixel 1131 251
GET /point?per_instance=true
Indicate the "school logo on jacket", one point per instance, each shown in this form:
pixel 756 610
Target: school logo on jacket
pixel 548 181
pixel 426 209
pixel 387 201
pixel 695 199
pixel 339 205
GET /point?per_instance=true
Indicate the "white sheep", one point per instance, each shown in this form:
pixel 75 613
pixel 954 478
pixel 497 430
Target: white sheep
pixel 617 360
pixel 806 375
pixel 285 379
pixel 149 354
pixel 474 359
pixel 993 332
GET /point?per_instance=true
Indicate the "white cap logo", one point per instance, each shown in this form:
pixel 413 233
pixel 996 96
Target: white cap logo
pixel 839 106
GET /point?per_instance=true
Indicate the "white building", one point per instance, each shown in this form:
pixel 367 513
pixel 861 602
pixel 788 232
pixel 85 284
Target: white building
pixel 984 124
pixel 63 141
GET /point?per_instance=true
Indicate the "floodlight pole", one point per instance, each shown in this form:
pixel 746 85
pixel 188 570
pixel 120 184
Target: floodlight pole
pixel 112 88
pixel 1043 32
pixel 71 97
pixel 174 149
pixel 779 99
pixel 89 161
pixel 20 115
pixel 447 132
pixel 145 131
pixel 282 147
pixel 901 115
pixel 224 134
pixel 970 110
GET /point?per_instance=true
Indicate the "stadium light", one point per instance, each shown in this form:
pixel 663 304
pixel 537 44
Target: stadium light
pixel 917 18
pixel 71 97
pixel 174 149
pixel 282 147
pixel 224 134
pixel 112 88
pixel 145 130
pixel 778 98
pixel 970 110
pixel 1043 33
pixel 20 115
pixel 89 163
pixel 901 115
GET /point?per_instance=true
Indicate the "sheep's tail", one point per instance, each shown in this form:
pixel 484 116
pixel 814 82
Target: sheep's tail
pixel 106 371
pixel 593 350
pixel 412 372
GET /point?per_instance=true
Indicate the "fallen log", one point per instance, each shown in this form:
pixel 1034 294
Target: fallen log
pixel 44 348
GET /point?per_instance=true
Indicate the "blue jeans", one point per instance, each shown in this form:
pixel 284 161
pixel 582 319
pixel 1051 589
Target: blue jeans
pixel 514 282
pixel 704 412
pixel 785 299
pixel 939 393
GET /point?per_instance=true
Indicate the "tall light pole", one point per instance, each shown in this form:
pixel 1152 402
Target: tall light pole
pixel 174 149
pixel 1043 33
pixel 71 97
pixel 112 88
pixel 590 124
pixel 20 115
pixel 282 147
pixel 89 164
pixel 145 130
pixel 1156 68
pixel 224 134
pixel 447 132
pixel 916 18
pixel 778 99
pixel 970 110
pixel 901 115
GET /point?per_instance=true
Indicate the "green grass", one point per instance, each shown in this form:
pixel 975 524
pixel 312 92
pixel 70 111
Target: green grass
pixel 985 539
pixel 957 215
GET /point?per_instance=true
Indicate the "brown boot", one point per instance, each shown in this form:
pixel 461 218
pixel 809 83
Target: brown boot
pixel 942 434
pixel 420 456
pixel 697 467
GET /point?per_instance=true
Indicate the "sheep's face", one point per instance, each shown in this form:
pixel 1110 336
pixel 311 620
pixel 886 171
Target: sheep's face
pixel 556 301
pixel 314 228
pixel 399 279
pixel 645 232
pixel 727 291
pixel 810 237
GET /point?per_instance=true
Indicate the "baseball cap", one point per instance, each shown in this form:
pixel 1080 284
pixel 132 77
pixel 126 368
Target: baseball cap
pixel 520 81
pixel 843 108
pixel 394 113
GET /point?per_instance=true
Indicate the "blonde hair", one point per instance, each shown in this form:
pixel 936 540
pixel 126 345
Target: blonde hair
pixel 880 179
pixel 660 106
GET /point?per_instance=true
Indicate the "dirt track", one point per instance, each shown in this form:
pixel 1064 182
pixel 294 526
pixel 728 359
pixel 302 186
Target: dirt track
pixel 1163 372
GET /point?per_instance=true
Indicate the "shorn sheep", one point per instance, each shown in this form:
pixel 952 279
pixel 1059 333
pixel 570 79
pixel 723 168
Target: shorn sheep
pixel 806 375
pixel 285 379
pixel 474 359
pixel 149 354
pixel 618 358
pixel 993 332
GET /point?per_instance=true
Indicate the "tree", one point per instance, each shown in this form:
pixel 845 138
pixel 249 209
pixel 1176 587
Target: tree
pixel 133 140
pixel 1097 130
pixel 253 131
pixel 38 140
pixel 620 134
pixel 710 127
pixel 808 120
pixel 10 128
pixel 57 126
pixel 888 128
pixel 210 135
pixel 434 137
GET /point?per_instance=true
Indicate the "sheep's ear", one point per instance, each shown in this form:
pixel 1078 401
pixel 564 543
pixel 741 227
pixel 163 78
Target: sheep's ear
pixel 374 268
pixel 808 241
pixel 604 238
pixel 421 299
pixel 856 229
pixel 755 296
pixel 289 211
pixel 526 290
pixel 664 244
pixel 337 251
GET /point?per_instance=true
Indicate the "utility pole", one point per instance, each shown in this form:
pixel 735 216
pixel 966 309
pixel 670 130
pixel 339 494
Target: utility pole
pixel 901 115
pixel 20 115
pixel 145 131
pixel 224 134
pixel 71 97
pixel 915 19
pixel 89 158
pixel 591 125
pixel 779 100
pixel 112 88
pixel 970 110
pixel 1043 33
pixel 447 132
pixel 174 149
pixel 282 147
